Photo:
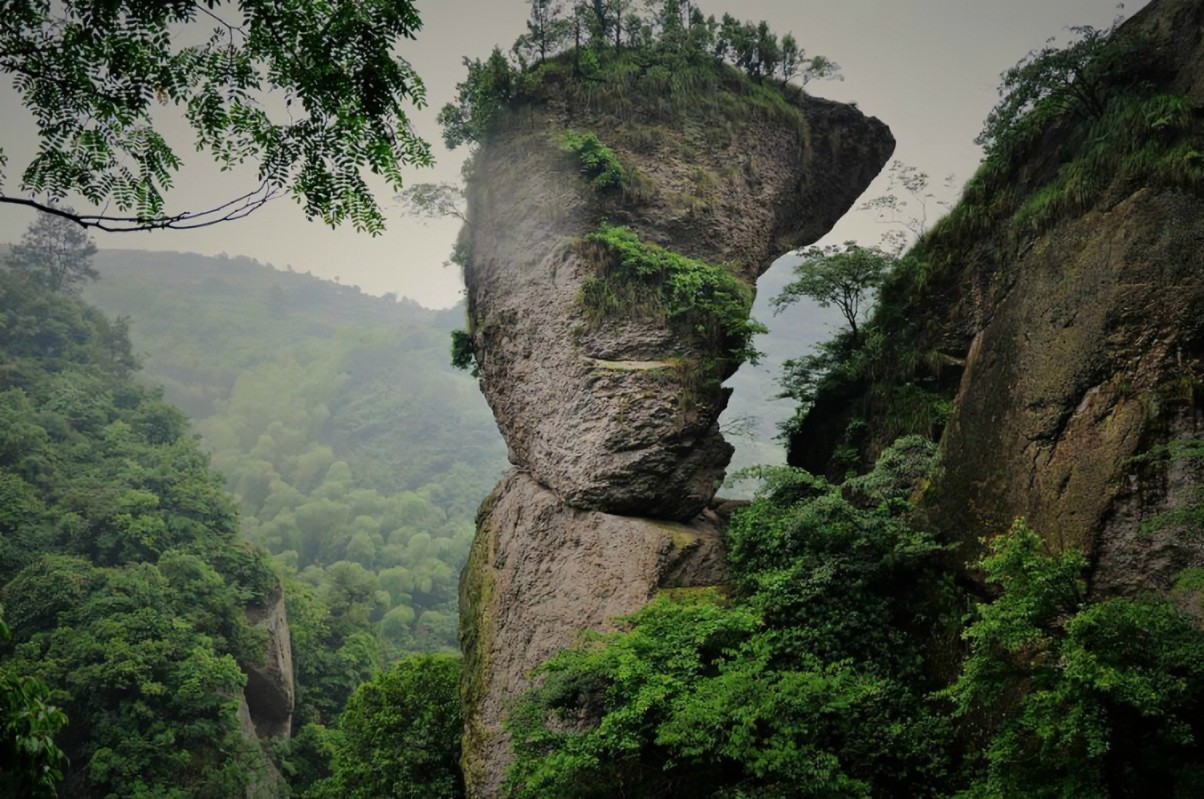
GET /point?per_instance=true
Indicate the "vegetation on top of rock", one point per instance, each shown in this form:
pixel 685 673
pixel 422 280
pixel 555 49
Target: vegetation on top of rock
pixel 670 53
pixel 1075 127
pixel 1104 96
pixel 635 276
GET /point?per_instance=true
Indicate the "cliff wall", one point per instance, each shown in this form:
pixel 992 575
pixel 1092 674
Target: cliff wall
pixel 1059 308
pixel 610 411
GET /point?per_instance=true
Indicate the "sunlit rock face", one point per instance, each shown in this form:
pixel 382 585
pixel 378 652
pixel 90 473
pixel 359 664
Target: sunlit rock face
pixel 611 417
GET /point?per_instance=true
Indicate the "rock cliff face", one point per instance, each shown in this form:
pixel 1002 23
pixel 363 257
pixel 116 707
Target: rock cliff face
pixel 270 688
pixel 1077 371
pixel 611 421
pixel 1079 345
pixel 265 709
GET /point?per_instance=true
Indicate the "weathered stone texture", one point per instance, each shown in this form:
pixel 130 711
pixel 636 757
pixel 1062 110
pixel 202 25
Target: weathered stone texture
pixel 270 690
pixel 540 573
pixel 612 422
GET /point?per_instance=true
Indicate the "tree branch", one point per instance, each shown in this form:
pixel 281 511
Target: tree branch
pixel 237 208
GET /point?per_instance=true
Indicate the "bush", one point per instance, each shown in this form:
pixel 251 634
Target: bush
pixel 462 354
pixel 1096 699
pixel 807 683
pixel 598 162
pixel 400 735
pixel 708 301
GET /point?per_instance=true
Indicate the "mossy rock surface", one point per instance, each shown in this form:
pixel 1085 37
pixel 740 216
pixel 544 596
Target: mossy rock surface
pixel 568 387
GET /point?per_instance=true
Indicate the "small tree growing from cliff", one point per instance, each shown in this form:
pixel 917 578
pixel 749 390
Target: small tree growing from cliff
pixel 845 276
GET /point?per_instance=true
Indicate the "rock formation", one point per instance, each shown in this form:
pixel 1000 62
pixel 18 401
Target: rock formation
pixel 265 709
pixel 1077 344
pixel 611 418
pixel 270 687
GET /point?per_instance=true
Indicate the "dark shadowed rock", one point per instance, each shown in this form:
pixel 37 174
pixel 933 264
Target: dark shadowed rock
pixel 270 688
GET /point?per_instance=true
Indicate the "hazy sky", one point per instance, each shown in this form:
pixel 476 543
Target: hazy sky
pixel 928 68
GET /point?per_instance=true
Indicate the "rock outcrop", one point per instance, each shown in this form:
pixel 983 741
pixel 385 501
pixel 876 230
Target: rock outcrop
pixel 1074 374
pixel 611 419
pixel 270 687
pixel 1073 345
pixel 265 709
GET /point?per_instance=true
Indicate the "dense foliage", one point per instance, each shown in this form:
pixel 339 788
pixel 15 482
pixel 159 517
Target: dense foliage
pixel 1097 699
pixel 399 736
pixel 31 763
pixel 667 47
pixel 707 301
pixel 92 74
pixel 120 570
pixel 357 457
pixel 807 682
pixel 830 670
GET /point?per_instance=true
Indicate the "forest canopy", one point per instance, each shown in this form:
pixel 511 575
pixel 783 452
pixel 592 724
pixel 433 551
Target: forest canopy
pixel 122 576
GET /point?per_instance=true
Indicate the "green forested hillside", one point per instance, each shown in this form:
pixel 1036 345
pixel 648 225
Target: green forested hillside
pixel 121 573
pixel 356 454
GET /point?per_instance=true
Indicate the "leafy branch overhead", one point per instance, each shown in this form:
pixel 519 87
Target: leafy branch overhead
pixel 311 93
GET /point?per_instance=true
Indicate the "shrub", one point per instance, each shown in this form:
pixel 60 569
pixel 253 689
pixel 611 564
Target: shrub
pixel 807 683
pixel 598 162
pixel 1098 699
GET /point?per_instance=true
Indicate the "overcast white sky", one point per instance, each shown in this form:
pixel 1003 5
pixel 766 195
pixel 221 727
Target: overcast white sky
pixel 928 68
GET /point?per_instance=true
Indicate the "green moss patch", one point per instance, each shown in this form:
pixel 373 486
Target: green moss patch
pixel 638 279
